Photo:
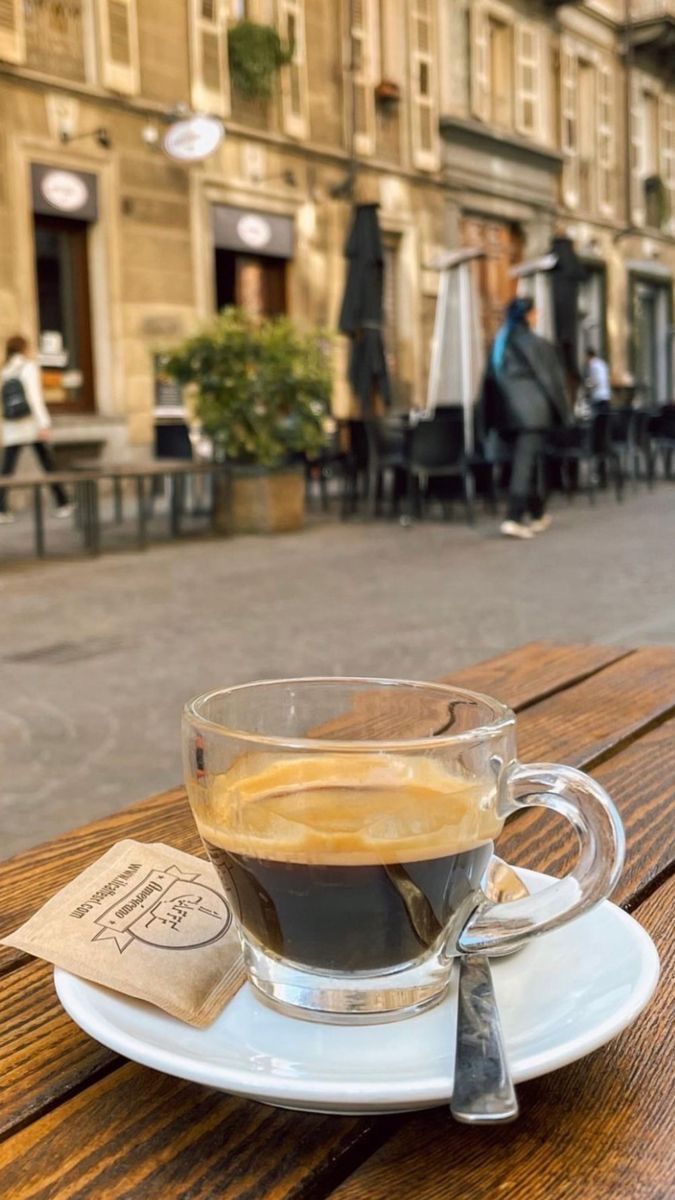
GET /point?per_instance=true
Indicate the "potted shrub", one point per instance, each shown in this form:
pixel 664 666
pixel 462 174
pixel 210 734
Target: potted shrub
pixel 262 393
pixel 255 55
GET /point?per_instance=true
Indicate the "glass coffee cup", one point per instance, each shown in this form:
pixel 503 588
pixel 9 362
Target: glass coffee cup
pixel 351 822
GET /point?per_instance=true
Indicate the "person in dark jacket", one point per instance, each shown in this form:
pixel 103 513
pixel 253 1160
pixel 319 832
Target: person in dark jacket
pixel 523 401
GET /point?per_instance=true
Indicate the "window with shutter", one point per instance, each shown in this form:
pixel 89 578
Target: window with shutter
pixel 210 87
pixel 118 31
pixel 668 155
pixel 423 92
pixel 529 100
pixel 362 63
pixel 586 135
pixel 480 62
pixel 569 125
pixel 638 149
pixel 12 35
pixel 606 145
pixel 294 74
pixel 500 60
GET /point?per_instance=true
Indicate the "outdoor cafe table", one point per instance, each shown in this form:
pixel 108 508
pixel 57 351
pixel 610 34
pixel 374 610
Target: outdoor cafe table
pixel 79 1121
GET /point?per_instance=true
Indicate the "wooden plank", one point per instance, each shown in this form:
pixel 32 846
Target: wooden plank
pixel 585 723
pixel 29 878
pixel 602 1128
pixel 640 781
pixel 141 1135
pixel 639 778
pixel 534 671
pixel 44 1055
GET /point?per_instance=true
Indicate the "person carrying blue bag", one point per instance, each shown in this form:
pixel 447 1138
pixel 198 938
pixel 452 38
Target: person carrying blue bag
pixel 523 400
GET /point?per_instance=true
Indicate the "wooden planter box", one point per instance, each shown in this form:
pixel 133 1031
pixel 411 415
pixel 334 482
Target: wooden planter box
pixel 260 500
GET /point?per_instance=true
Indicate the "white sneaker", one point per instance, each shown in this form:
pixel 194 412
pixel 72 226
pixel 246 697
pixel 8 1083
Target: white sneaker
pixel 541 524
pixel 6 518
pixel 65 511
pixel 515 530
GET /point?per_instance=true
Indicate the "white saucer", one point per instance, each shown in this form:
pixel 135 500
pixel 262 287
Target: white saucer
pixel 561 997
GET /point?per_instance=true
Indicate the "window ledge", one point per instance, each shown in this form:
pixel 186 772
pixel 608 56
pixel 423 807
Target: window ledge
pixel 505 141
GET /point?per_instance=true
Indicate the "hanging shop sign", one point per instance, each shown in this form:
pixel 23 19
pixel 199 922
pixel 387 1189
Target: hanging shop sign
pixel 252 232
pixel 193 138
pixel 57 191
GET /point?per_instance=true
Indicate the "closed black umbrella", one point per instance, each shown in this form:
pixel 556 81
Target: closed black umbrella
pixel 361 313
pixel 568 273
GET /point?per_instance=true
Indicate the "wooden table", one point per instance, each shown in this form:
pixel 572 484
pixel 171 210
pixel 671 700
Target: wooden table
pixel 78 1121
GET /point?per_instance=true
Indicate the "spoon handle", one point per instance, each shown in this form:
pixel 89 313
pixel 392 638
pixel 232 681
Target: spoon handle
pixel 483 1093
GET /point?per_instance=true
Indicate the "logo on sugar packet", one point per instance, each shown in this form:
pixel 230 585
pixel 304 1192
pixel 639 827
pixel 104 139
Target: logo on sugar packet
pixel 171 909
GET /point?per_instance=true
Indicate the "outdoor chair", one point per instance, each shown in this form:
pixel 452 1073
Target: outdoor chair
pixel 334 462
pixel 586 458
pixel 355 467
pixel 663 429
pixel 436 453
pixel 388 441
pixel 642 449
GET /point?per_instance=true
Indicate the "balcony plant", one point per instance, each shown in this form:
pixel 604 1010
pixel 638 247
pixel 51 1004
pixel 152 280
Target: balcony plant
pixel 255 54
pixel 387 94
pixel 261 391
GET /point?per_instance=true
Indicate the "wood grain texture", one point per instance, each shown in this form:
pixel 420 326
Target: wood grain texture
pixel 585 723
pixel 600 1129
pixel 640 781
pixel 43 1054
pixel 531 672
pixel 30 878
pixel 140 1135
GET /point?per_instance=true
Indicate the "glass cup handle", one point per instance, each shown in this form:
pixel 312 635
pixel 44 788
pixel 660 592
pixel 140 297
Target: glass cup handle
pixel 601 853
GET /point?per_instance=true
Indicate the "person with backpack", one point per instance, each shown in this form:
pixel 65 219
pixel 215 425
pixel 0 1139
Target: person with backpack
pixel 25 421
pixel 523 401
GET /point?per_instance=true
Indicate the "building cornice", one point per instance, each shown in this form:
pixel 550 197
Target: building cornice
pixel 509 145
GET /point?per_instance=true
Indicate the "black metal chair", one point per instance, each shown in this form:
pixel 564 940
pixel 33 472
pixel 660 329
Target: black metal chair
pixel 663 430
pixel 642 449
pixel 333 462
pixel 586 457
pixel 436 453
pixel 388 440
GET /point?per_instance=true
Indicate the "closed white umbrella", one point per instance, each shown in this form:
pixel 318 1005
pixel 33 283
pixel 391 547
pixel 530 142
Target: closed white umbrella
pixel 456 366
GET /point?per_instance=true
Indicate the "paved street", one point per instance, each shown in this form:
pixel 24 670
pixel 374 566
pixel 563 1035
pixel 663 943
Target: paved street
pixel 98 656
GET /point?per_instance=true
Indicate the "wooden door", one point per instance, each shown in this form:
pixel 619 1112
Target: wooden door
pixel 64 309
pixel 502 243
pixel 253 282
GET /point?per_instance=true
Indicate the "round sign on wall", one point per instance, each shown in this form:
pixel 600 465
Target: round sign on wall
pixel 193 139
pixel 64 190
pixel 254 230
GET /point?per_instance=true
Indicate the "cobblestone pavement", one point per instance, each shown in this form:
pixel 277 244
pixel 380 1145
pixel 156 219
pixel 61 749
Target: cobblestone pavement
pixel 97 657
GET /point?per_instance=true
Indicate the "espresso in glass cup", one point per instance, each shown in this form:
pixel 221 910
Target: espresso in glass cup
pixel 351 822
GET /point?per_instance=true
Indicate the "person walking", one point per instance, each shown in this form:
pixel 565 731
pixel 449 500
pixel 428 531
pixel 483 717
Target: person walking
pixel 25 421
pixel 598 387
pixel 523 401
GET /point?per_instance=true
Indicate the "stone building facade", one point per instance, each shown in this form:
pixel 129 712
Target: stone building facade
pixel 471 122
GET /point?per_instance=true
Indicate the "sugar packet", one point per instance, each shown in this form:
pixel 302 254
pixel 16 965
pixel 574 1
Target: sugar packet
pixel 148 921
